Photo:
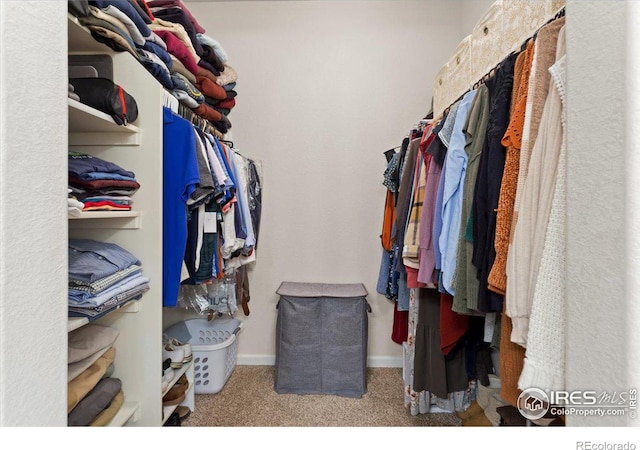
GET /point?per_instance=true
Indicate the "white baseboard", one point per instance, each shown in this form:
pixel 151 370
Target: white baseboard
pixel 270 360
pixel 256 360
pixel 384 361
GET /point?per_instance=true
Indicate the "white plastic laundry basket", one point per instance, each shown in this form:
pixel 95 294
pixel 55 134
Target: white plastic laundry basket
pixel 215 350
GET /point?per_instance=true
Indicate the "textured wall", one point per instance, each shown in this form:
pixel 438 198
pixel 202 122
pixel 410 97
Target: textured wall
pixel 324 88
pixel 33 242
pixel 602 200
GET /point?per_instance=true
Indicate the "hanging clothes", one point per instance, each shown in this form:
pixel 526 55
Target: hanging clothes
pixel 411 248
pixel 436 152
pixel 511 355
pixel 544 365
pixel 512 140
pixel 487 189
pixel 402 217
pixel 533 218
pixel 423 339
pixel 180 178
pixel 465 300
pixel 456 165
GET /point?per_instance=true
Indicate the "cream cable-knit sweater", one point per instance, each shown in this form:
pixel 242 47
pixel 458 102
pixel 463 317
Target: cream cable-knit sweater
pixel 544 364
pixel 544 56
pixel 537 195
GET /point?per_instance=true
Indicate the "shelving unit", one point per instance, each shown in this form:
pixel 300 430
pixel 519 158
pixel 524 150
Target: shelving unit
pixel 122 220
pixel 129 412
pixel 85 118
pixel 89 127
pixel 136 147
pixel 74 323
pixel 189 400
pixel 106 215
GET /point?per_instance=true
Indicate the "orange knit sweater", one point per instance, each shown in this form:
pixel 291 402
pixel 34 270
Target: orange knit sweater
pixel 512 140
pixel 511 355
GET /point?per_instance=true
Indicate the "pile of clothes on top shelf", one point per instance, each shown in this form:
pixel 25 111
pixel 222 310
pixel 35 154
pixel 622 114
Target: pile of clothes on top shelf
pixel 170 43
pixel 94 396
pixel 102 277
pixel 98 185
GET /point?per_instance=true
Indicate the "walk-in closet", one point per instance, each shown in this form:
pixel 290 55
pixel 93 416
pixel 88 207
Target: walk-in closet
pixel 319 213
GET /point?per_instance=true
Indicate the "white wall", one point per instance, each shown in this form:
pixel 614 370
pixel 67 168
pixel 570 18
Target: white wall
pixel 33 179
pixel 603 273
pixel 471 11
pixel 324 88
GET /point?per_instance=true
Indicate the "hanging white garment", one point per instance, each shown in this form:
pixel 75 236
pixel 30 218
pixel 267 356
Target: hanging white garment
pixel 523 260
pixel 544 364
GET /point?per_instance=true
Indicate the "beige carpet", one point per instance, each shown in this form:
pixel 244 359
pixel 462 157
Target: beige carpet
pixel 248 399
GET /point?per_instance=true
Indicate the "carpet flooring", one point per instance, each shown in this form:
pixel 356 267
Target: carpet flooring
pixel 248 399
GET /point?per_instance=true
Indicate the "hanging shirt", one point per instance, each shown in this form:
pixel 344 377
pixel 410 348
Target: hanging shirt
pixel 180 177
pixel 445 135
pixel 488 182
pixel 434 170
pixel 456 165
pixel 465 277
pixel 241 170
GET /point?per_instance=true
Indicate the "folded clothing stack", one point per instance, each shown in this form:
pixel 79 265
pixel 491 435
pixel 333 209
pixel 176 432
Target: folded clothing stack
pixel 124 26
pixel 102 277
pixel 74 206
pixel 200 59
pixel 93 395
pixel 167 40
pixel 100 185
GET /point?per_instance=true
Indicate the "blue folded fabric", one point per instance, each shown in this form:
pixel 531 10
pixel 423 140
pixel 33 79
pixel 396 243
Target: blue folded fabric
pixel 129 10
pixel 105 176
pixel 90 260
pixel 162 53
pixel 93 314
pixel 80 296
pixel 81 164
pixel 85 299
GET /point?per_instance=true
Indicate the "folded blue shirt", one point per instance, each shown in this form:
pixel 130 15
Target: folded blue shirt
pixel 90 260
pixel 155 69
pixel 81 164
pixel 79 296
pixel 105 176
pixel 120 288
pixel 129 10
pixel 162 53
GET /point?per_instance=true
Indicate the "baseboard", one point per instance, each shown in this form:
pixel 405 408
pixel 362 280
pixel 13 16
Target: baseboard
pixel 270 360
pixel 256 360
pixel 384 361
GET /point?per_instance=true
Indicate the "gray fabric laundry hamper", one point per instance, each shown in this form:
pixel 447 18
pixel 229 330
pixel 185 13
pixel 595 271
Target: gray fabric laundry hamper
pixel 321 339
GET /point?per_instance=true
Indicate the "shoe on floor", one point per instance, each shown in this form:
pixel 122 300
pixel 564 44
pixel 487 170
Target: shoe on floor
pixel 479 420
pixel 473 410
pixel 173 421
